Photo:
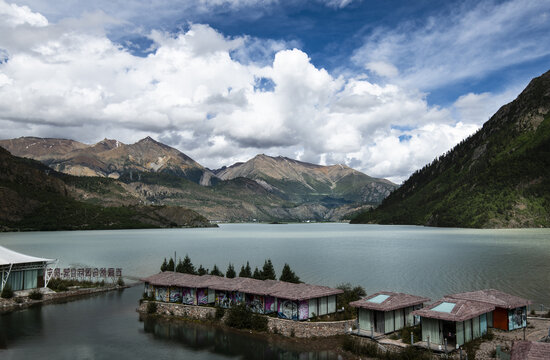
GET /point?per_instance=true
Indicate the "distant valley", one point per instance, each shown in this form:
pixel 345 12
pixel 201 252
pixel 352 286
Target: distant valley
pixel 110 173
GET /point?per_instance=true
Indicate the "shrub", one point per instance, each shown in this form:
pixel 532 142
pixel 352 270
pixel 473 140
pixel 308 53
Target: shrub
pixel 62 287
pixel 406 333
pixel 120 281
pixel 35 295
pixel 7 292
pixel 241 318
pixel 151 307
pixel 220 312
pixel 350 294
pixel 259 323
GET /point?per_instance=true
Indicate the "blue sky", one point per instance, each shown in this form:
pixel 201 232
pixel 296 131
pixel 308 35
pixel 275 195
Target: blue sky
pixel 382 86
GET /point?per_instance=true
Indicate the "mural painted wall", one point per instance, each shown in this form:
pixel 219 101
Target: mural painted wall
pixel 517 318
pixel 287 309
pixel 255 303
pixel 149 289
pixel 161 294
pixel 188 296
pixel 303 310
pixel 175 294
pixel 269 305
pixel 202 296
pixel 227 299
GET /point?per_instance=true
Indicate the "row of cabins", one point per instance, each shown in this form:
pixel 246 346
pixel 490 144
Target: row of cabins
pixel 456 318
pixel 288 300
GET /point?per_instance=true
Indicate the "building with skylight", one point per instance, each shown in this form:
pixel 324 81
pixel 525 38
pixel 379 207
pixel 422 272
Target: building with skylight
pixel 385 312
pixel 453 321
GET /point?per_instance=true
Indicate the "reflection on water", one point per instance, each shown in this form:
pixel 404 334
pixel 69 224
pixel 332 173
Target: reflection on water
pixel 21 323
pixel 106 326
pixel 424 261
pixel 224 342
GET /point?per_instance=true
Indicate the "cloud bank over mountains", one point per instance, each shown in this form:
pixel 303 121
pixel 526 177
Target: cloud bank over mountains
pixel 223 99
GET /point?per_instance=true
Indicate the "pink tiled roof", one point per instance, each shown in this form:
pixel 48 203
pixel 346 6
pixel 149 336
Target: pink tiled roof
pixel 169 278
pixel 529 350
pixel 493 297
pixel 393 302
pixel 292 291
pixel 274 288
pixel 463 310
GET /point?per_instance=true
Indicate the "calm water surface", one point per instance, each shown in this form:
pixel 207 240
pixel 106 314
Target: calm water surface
pixel 107 327
pixel 418 260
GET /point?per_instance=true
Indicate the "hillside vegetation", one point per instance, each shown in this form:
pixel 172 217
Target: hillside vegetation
pixel 111 173
pixel 34 197
pixel 497 178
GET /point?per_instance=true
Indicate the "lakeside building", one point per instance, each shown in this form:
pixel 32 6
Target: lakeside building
pixel 23 272
pixel 455 320
pixel 289 300
pixel 510 311
pixel 385 312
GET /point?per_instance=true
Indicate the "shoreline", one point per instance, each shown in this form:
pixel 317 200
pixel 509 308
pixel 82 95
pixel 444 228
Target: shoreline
pixel 299 344
pixel 10 305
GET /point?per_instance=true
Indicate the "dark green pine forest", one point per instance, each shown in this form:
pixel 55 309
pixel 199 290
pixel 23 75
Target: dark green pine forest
pixel 497 178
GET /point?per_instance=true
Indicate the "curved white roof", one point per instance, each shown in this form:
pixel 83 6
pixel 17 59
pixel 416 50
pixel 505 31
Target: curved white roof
pixel 8 256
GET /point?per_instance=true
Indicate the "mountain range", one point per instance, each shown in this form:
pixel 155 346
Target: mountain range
pixel 35 197
pixel 497 178
pixel 148 172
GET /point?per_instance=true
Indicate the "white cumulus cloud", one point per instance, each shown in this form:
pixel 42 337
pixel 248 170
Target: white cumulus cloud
pixel 199 91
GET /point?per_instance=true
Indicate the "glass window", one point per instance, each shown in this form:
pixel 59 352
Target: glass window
pixel 16 280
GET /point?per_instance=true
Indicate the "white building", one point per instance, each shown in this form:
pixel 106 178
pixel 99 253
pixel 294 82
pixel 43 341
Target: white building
pixel 23 272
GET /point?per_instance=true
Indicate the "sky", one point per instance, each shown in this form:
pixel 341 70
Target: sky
pixel 381 86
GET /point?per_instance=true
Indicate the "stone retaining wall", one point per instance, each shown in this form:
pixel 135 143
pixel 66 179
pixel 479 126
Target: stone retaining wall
pixel 181 310
pixel 308 329
pixel 299 329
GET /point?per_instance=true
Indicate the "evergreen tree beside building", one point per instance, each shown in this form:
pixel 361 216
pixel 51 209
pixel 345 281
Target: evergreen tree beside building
pixel 288 275
pixel 230 273
pixel 246 271
pixel 216 271
pixel 257 274
pixel 268 271
pixel 202 271
pixel 187 266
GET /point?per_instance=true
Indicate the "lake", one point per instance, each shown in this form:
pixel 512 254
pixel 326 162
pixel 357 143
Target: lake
pixel 417 260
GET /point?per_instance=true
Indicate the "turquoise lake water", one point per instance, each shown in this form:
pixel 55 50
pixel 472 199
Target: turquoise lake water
pixel 418 260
